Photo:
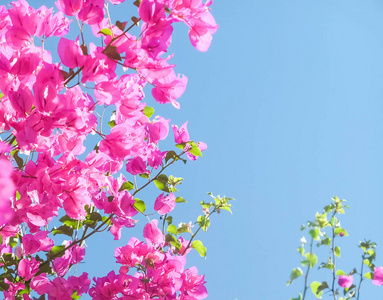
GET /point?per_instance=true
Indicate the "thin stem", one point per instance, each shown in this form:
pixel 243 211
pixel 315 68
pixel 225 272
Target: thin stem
pixel 361 277
pixel 83 238
pixel 73 76
pixel 159 173
pixel 308 271
pixel 194 235
pixel 119 36
pixel 333 256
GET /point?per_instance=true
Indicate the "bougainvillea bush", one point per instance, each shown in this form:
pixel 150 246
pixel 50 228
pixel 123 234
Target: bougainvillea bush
pixel 54 184
pixel 323 233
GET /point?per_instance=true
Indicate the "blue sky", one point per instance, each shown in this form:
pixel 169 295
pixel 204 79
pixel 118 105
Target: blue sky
pixel 289 101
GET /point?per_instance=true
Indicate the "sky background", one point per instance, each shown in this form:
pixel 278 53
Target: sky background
pixel 289 101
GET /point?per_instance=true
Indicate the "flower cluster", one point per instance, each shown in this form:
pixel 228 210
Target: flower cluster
pixel 46 115
pixel 158 274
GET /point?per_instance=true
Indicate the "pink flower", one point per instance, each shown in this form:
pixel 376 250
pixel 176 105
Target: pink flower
pixel 345 281
pixel 165 204
pixel 136 166
pixel 193 284
pixel 70 53
pixel 378 276
pixel 28 268
pixel 152 234
pixel 181 135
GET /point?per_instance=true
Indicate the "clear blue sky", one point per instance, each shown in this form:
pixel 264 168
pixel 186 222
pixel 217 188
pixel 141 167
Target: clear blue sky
pixel 289 99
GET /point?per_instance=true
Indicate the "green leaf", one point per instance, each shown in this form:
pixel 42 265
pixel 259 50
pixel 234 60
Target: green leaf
pixel 199 247
pixel 18 196
pixel 148 111
pixel 314 288
pixel 63 229
pixel 299 297
pixel 121 25
pixel 112 53
pixel 204 222
pixel 337 251
pixel 105 31
pixel 169 220
pixel 194 149
pixel 13 241
pixel 181 146
pixel 57 249
pixel 294 275
pixel 1 239
pixel 172 229
pixel 161 182
pixel 1 95
pixel 315 233
pixel 75 296
pixel 301 250
pixel 184 227
pixel 339 230
pixel 328 265
pixel 326 241
pixel 112 123
pixel 321 219
pixel 70 222
pixel 170 155
pixel 369 275
pixel 139 205
pixel 180 200
pixel 144 175
pixel 170 238
pixel 340 272
pixel 226 207
pixel 311 260
pixel 127 185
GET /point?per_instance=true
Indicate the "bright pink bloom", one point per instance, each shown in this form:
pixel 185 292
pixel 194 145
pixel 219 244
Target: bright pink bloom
pixel 79 284
pixel 92 11
pixel 193 284
pixel 169 88
pixel 378 276
pixel 69 7
pixel 136 166
pixel 39 241
pixel 70 53
pixel 345 281
pixel 40 284
pixel 201 145
pixel 153 234
pixel 165 204
pixel 181 135
pixel 7 190
pixel 28 268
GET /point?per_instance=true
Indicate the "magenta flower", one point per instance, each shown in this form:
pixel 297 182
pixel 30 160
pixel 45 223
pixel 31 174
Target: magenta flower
pixel 181 135
pixel 345 281
pixel 378 276
pixel 165 204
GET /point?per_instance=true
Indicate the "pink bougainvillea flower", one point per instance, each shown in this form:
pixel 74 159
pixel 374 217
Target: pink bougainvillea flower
pixel 153 234
pixel 193 284
pixel 69 7
pixel 136 166
pixel 165 204
pixel 378 276
pixel 345 281
pixel 70 53
pixel 28 268
pixel 7 190
pixel 181 135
